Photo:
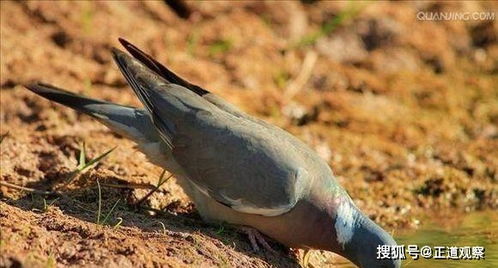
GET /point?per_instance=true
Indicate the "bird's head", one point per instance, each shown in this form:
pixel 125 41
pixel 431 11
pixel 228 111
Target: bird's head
pixel 358 238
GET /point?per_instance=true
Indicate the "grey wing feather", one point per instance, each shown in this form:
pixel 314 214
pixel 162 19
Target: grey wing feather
pixel 230 157
pixel 173 78
pixel 160 69
pixel 243 165
pixel 135 74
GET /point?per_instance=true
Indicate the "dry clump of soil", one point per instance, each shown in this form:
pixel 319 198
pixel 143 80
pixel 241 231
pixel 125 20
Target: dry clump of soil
pixel 405 111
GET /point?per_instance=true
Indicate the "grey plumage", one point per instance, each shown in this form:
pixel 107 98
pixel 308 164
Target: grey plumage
pixel 127 121
pixel 222 154
pixel 235 167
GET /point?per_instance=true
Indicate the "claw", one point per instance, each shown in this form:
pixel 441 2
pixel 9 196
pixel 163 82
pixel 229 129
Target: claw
pixel 255 237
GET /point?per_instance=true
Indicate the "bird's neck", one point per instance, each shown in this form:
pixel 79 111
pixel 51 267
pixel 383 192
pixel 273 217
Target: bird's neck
pixel 344 228
pixel 332 214
pixel 340 215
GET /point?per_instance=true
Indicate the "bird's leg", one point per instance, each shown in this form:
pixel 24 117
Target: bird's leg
pixel 255 237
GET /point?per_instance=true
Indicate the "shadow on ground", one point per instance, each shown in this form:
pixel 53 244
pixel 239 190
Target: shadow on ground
pixel 74 213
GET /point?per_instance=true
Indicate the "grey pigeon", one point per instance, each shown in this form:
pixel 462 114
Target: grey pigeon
pixel 236 168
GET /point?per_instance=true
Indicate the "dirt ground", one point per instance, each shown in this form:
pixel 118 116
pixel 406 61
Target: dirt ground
pixel 404 110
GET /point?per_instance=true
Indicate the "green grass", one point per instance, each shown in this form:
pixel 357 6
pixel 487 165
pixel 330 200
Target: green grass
pixel 83 165
pixel 220 230
pixel 47 205
pixel 110 212
pixel 162 226
pixel 87 83
pixel 329 26
pixel 120 221
pixel 281 79
pixel 41 204
pixel 160 182
pixel 51 262
pixel 99 209
pixel 87 14
pixel 192 42
pixel 220 46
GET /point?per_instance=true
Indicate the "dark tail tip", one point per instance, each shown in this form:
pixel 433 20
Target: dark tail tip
pixel 43 89
pixel 121 58
pixel 116 52
pixel 39 87
pixel 124 42
pixel 158 68
pixel 138 54
pixel 32 86
pixel 135 51
pixel 62 96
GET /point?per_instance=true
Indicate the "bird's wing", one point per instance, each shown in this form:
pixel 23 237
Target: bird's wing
pixel 173 78
pixel 236 161
pixel 242 165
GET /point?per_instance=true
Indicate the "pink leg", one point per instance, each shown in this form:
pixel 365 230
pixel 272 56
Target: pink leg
pixel 256 237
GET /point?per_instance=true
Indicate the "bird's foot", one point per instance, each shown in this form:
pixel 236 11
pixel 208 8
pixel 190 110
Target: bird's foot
pixel 255 237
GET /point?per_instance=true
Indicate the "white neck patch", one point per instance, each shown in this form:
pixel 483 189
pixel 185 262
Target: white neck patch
pixel 345 221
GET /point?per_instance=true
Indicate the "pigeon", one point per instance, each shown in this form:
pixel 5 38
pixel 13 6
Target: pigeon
pixel 236 168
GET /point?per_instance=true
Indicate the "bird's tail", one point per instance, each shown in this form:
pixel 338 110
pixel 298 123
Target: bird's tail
pixel 127 121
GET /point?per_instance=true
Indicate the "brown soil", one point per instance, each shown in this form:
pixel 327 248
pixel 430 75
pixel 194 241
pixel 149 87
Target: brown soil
pixel 405 111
